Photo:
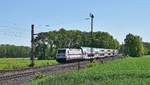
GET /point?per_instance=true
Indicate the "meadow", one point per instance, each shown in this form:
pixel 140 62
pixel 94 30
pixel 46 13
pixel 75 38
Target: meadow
pixel 16 63
pixel 128 71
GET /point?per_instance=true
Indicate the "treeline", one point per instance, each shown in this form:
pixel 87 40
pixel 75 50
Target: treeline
pixel 146 48
pixel 47 42
pixel 12 51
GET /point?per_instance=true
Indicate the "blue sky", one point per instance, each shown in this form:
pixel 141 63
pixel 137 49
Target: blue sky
pixel 118 17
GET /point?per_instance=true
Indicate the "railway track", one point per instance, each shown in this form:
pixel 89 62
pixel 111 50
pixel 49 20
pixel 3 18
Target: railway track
pixel 23 69
pixel 17 77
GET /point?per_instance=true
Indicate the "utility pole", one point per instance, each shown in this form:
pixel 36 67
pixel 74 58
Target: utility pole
pixel 92 17
pixel 32 46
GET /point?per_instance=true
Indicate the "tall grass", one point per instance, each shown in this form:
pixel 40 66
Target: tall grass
pixel 15 63
pixel 129 71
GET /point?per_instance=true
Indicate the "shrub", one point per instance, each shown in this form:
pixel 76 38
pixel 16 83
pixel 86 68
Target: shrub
pixel 39 76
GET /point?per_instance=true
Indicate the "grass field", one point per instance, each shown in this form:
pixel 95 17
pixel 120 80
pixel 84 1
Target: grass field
pixel 14 63
pixel 129 71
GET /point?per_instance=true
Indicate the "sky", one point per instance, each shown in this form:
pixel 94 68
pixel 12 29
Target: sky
pixel 118 17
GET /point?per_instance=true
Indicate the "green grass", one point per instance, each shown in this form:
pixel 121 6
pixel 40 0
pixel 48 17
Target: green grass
pixel 129 71
pixel 14 63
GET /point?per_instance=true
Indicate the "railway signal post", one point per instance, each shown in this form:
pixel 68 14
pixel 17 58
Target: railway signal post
pixel 92 17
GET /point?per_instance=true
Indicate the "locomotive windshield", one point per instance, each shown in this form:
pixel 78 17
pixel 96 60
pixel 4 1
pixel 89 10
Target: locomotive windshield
pixel 61 51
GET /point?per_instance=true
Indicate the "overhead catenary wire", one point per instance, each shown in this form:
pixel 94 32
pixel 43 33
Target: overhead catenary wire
pixel 19 31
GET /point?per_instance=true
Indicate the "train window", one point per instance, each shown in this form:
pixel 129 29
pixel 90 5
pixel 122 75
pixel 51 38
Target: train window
pixel 101 54
pixel 61 51
pixel 108 50
pixel 102 50
pixel 90 55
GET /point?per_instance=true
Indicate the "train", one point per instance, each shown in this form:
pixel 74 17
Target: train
pixel 65 55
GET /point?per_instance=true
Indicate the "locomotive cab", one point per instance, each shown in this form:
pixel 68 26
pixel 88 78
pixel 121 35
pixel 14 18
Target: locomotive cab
pixel 61 55
pixel 69 55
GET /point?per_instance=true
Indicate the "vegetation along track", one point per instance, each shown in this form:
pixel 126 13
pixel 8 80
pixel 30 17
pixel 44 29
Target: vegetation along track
pixel 16 77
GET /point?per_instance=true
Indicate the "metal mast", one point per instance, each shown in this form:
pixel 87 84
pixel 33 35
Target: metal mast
pixel 32 46
pixel 92 17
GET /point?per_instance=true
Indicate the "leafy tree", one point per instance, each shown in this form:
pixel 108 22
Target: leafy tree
pixel 133 45
pixel 41 45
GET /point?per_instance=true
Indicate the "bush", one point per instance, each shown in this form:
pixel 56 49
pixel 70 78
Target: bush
pixel 92 64
pixel 39 76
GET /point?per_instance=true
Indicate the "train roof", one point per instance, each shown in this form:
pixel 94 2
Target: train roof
pixel 88 48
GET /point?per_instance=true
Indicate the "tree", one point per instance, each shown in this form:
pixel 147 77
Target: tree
pixel 146 48
pixel 133 45
pixel 41 45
